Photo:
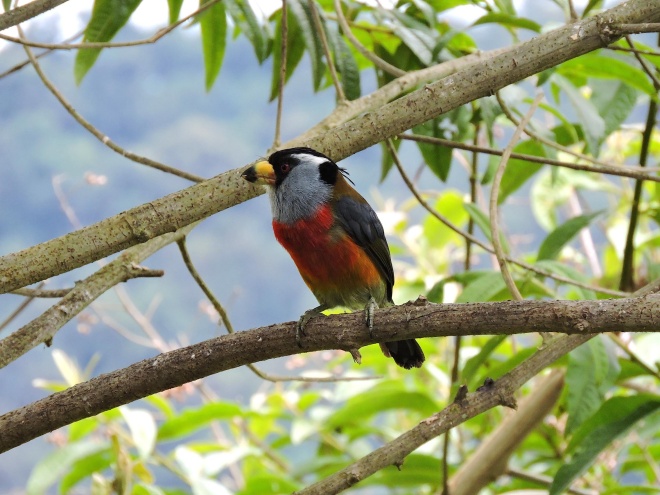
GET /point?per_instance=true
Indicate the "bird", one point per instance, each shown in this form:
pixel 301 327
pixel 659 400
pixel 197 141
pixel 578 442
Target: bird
pixel 333 236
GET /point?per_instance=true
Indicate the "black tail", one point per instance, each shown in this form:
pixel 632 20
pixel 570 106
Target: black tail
pixel 406 353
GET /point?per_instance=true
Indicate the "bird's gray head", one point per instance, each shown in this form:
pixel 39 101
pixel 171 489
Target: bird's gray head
pixel 304 180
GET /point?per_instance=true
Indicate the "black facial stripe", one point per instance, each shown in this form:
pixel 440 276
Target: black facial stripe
pixel 328 171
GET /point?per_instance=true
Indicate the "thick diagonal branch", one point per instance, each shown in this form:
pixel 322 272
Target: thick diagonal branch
pixel 44 327
pixel 176 210
pixel 499 393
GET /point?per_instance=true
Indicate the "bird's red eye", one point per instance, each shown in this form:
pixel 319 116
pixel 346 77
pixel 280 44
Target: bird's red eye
pixel 285 167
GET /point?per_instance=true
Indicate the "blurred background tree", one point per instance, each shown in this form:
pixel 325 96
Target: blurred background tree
pixel 576 212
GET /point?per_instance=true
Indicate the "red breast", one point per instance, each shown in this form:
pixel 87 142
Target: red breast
pixel 325 256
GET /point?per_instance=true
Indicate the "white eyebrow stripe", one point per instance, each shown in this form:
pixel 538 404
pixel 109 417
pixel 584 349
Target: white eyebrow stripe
pixel 310 159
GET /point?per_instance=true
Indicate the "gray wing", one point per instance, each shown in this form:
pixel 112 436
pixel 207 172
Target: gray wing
pixel 361 223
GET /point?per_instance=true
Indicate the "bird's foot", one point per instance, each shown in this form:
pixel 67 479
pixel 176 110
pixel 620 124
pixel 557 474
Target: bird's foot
pixel 304 319
pixel 369 309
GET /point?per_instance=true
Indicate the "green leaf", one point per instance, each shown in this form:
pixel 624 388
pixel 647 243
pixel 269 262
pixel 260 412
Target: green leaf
pixel 56 464
pixel 437 157
pixel 382 397
pixel 614 101
pixel 592 4
pixel 162 404
pixel 82 428
pixel 615 417
pixel 520 171
pixel 562 235
pixel 300 10
pixel 85 467
pixel 594 65
pixel 441 5
pixel 267 483
pixel 191 420
pixel 243 15
pixel 632 489
pixel 346 65
pixel 108 17
pixel 483 288
pixel 416 470
pixel 6 4
pixel 592 123
pixel 512 21
pixel 449 204
pixel 295 48
pixel 213 22
pixel 174 7
pixel 506 6
pixel 592 370
pixel 416 42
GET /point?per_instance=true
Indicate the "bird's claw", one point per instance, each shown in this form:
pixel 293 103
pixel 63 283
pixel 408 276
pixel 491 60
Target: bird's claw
pixel 304 319
pixel 300 330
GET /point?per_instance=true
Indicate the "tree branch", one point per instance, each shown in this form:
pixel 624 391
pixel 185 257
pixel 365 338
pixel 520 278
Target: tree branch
pixel 487 397
pixel 28 11
pixel 490 459
pixel 43 328
pixel 346 331
pixel 612 169
pixel 176 210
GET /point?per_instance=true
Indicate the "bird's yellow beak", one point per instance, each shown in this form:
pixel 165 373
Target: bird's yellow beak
pixel 260 173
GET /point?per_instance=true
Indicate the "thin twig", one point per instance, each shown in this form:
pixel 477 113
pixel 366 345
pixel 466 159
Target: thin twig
pixel 642 27
pixel 26 62
pixel 19 309
pixel 368 54
pixel 467 265
pixel 628 263
pixel 341 97
pixel 572 12
pixel 122 330
pixel 543 480
pixel 631 172
pixel 46 293
pixel 534 135
pixel 650 71
pixel 277 139
pixel 494 201
pixel 96 133
pixel 43 328
pixel 110 44
pixel 628 50
pixel 489 249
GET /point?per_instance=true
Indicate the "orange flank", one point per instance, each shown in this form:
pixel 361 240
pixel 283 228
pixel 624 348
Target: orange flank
pixel 327 258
